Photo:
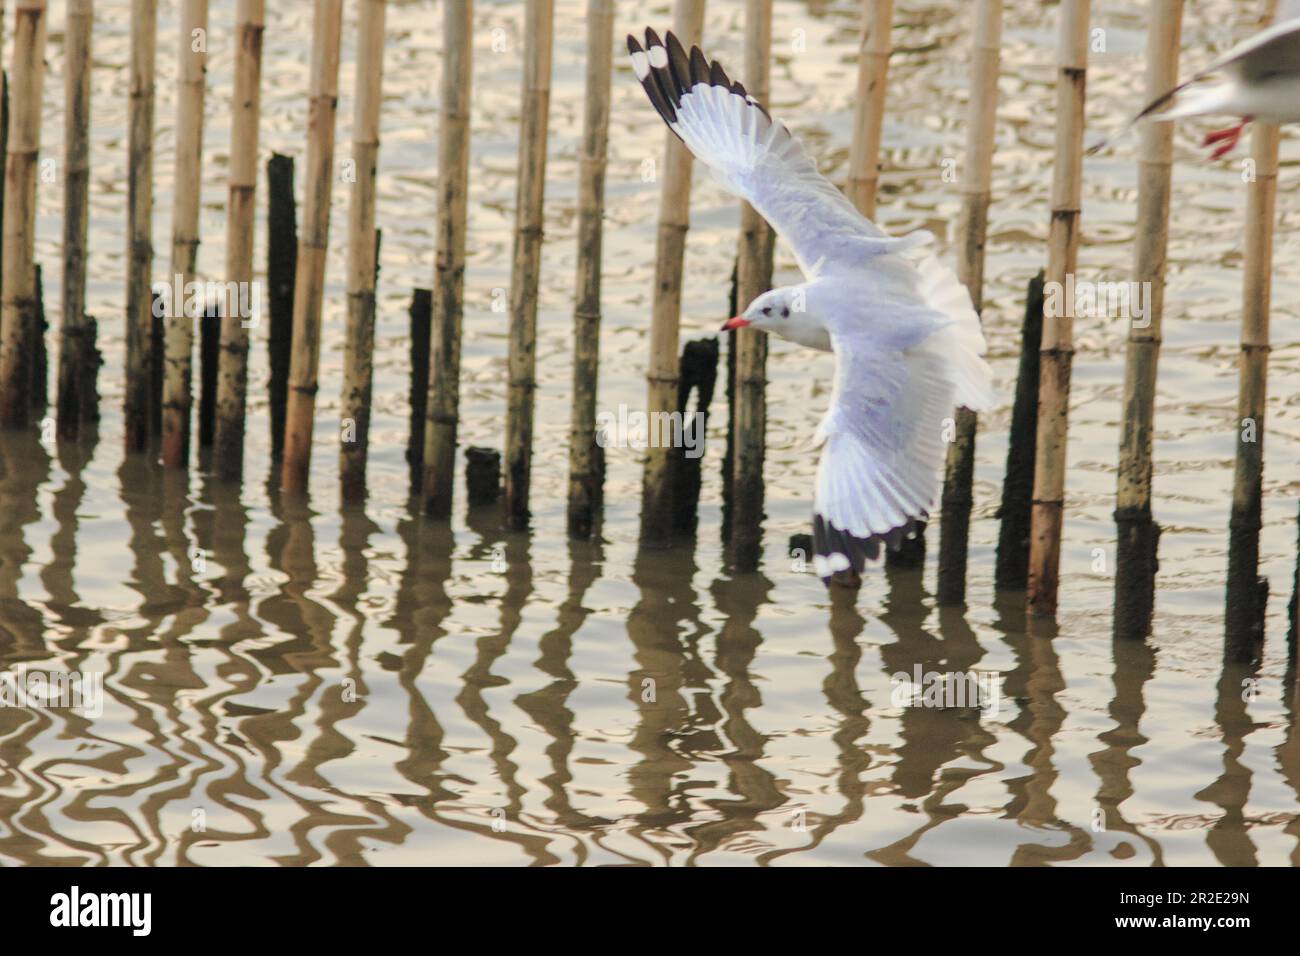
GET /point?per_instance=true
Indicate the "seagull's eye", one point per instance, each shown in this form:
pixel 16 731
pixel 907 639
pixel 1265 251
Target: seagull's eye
pixel 785 313
pixel 767 310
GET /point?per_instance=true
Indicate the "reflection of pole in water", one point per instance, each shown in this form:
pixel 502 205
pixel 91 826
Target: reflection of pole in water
pixel 1228 836
pixel 667 608
pixel 1135 664
pixel 490 649
pixel 932 737
pixel 548 706
pixel 844 696
pixel 1037 681
pixel 739 598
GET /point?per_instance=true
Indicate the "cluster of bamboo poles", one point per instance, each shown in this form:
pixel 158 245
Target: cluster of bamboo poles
pixel 159 355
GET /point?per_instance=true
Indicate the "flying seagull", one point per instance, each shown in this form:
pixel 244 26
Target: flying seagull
pixel 1258 79
pixel 907 341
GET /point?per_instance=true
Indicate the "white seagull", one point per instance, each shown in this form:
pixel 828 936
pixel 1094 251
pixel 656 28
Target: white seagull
pixel 1258 79
pixel 907 342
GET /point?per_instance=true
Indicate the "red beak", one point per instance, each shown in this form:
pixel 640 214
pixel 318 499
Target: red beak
pixel 739 322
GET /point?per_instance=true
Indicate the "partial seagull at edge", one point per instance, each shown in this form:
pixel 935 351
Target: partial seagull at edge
pixel 1258 79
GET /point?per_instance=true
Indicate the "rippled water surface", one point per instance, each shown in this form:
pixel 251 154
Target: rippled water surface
pixel 298 684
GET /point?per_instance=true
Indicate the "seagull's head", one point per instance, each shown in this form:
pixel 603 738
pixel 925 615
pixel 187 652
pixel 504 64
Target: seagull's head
pixel 770 312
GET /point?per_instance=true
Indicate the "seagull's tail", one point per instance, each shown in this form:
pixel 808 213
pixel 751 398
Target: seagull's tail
pixel 960 343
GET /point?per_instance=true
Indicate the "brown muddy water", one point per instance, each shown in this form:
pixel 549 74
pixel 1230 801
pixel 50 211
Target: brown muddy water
pixel 299 684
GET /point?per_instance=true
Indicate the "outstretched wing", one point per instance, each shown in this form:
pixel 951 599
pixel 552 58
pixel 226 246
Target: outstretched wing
pixel 756 158
pixel 883 450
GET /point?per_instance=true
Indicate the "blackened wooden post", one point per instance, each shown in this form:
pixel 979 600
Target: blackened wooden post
pixel 281 266
pixel 421 313
pixel 1011 572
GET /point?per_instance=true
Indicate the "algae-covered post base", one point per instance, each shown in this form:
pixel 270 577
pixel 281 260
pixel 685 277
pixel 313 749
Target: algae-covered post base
pixel 482 476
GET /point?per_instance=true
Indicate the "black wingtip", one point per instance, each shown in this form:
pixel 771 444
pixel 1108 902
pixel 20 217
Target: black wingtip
pixel 668 73
pixel 830 541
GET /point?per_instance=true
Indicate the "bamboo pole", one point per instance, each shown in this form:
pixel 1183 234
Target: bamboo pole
pixel 1247 592
pixel 140 360
pixel 1058 334
pixel 1135 530
pixel 864 175
pixel 313 239
pixel 241 217
pixel 662 371
pixel 442 406
pixel 972 228
pixel 76 361
pixel 18 281
pixel 869 112
pixel 584 455
pixel 178 333
pixel 526 257
pixel 358 353
pixel 753 278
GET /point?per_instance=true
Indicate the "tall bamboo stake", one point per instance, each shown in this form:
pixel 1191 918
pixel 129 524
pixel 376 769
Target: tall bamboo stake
pixel 313 239
pixel 241 217
pixel 442 408
pixel 869 112
pixel 18 297
pixel 584 459
pixel 75 343
pixel 358 354
pixel 179 330
pixel 864 170
pixel 753 278
pixel 972 228
pixel 1136 532
pixel 140 360
pixel 662 371
pixel 1058 333
pixel 526 257
pixel 1247 592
